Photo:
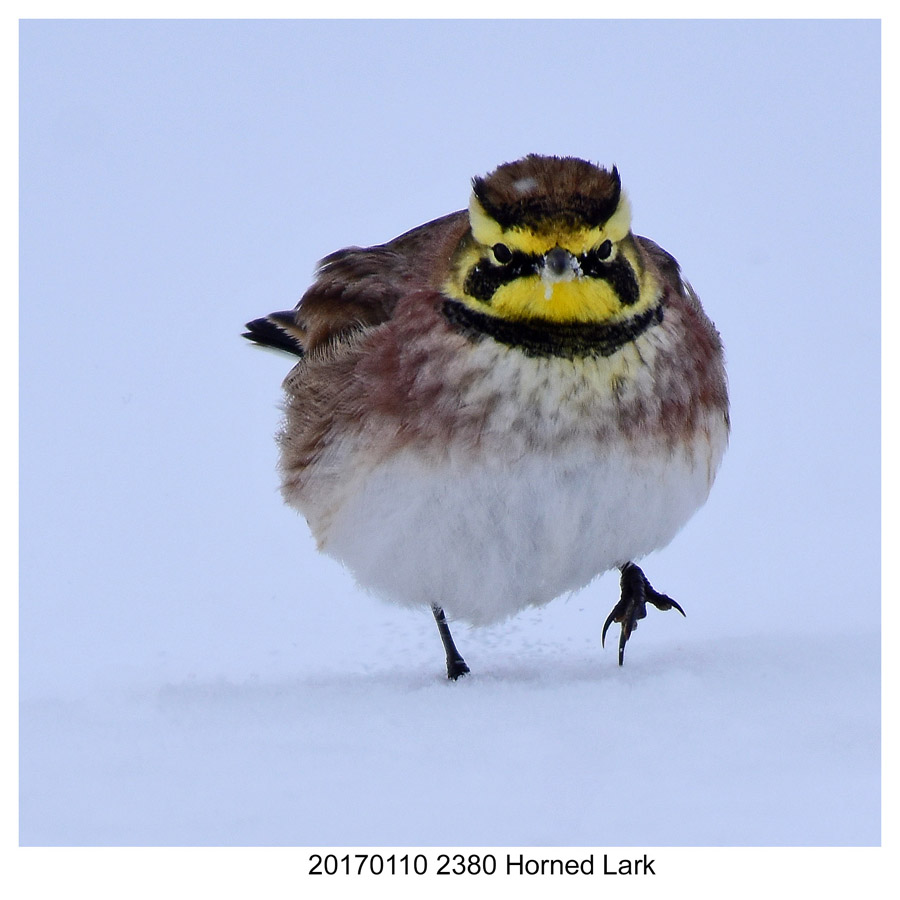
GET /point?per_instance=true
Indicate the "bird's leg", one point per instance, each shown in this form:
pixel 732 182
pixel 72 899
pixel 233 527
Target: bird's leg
pixel 637 592
pixel 456 665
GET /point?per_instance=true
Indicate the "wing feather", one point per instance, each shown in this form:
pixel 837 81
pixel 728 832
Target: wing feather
pixel 358 288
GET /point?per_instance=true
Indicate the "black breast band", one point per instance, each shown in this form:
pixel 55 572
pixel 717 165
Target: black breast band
pixel 540 337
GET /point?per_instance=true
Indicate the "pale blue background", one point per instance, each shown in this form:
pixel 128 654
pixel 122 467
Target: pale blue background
pixel 179 178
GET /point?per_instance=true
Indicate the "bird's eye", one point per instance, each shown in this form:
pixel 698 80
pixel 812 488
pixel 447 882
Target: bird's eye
pixel 604 250
pixel 502 253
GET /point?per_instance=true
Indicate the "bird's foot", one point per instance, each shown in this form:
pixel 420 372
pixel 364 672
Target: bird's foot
pixel 456 665
pixel 637 592
pixel 456 668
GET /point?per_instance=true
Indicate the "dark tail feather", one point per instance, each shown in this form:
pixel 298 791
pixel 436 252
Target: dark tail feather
pixel 279 331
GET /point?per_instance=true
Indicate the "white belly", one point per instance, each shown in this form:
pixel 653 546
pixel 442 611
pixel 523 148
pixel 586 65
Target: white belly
pixel 486 538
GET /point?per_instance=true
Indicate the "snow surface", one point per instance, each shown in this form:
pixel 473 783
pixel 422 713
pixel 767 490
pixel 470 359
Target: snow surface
pixel 193 672
pixel 742 741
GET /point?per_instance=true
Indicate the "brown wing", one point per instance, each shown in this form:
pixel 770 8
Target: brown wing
pixel 665 263
pixel 358 287
pixel 705 380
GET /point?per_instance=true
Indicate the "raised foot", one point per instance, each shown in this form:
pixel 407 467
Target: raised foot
pixel 637 592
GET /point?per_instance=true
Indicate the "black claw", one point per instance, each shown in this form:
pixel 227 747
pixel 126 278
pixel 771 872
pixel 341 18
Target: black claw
pixel 637 592
pixel 609 620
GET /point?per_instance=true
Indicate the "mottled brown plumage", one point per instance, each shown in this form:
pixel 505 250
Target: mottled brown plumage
pixel 359 287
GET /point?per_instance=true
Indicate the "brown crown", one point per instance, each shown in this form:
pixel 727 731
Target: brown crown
pixel 540 190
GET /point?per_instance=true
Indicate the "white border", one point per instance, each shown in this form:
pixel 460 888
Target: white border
pixel 272 873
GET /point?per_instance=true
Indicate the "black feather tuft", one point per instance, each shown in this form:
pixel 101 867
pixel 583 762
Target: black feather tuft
pixel 277 331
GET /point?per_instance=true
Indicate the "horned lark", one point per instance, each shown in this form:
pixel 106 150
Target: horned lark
pixel 497 406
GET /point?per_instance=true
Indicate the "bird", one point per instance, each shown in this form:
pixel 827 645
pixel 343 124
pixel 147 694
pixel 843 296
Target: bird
pixel 496 407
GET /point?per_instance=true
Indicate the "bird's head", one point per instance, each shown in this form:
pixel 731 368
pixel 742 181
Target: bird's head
pixel 550 239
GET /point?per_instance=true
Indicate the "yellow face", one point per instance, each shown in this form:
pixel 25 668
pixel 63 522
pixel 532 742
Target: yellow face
pixel 558 273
